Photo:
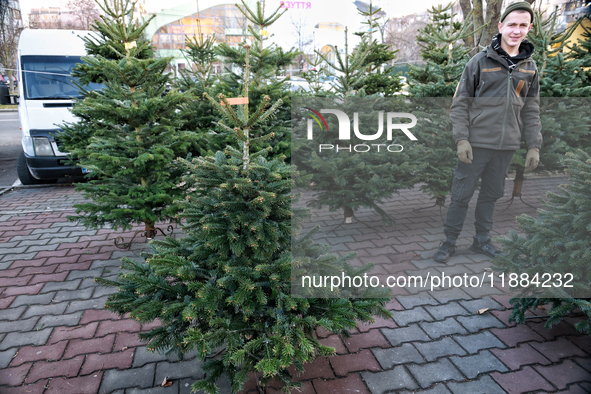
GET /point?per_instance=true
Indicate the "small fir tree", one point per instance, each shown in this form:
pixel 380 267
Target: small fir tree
pixel 351 180
pixel 224 289
pixel 128 134
pixel 556 243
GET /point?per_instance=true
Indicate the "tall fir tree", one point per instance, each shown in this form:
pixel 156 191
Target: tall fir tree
pixel 267 62
pixel 224 290
pixel 128 135
pixel 555 245
pixel 445 57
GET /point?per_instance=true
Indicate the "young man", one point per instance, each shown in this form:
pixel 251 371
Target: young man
pixel 495 105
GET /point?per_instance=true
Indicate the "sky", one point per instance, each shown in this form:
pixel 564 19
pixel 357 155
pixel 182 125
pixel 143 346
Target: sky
pixel 319 11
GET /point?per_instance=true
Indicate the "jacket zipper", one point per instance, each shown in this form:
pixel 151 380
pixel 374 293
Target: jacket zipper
pixel 508 100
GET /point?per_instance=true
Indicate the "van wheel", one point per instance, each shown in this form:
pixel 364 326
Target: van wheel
pixel 25 175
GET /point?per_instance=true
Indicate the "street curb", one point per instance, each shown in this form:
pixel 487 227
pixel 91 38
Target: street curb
pixel 9 110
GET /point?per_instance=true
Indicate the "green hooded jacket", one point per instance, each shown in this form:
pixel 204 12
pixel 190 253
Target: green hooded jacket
pixel 495 105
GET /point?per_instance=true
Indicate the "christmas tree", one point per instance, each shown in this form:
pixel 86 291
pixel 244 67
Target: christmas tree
pixel 350 179
pixel 445 57
pixel 128 135
pixel 225 289
pixel 556 245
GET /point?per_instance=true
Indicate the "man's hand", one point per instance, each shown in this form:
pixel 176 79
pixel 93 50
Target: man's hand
pixel 532 159
pixel 465 151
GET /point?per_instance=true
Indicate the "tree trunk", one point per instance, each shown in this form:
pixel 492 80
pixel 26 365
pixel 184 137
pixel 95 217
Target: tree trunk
pixel 493 15
pixel 150 230
pixel 518 182
pixel 349 214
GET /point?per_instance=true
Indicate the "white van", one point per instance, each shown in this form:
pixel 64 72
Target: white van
pixel 45 61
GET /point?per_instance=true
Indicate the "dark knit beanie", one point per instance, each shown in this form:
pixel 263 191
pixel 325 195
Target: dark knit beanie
pixel 520 5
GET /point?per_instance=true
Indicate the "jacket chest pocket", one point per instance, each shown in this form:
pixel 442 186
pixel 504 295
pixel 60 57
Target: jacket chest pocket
pixel 523 79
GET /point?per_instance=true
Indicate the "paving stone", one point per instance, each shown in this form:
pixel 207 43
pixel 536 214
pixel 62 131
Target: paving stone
pixel 476 342
pixel 404 354
pixel 373 338
pixel 18 290
pixel 438 389
pixel 37 388
pixel 18 326
pixel 88 282
pixel 85 274
pixel 319 368
pixel 394 379
pixel 13 313
pixel 36 353
pixel 483 385
pixel 93 303
pixel 84 384
pixel 350 384
pixel 116 326
pixel 114 379
pixel 514 335
pixel 6 357
pixel 68 295
pixel 15 339
pixel 96 362
pixel 40 299
pixel 440 312
pixel 362 361
pixel 333 341
pixel 91 315
pixel 179 370
pixel 564 374
pixel 56 286
pixel 143 356
pixel 406 317
pixel 440 371
pixel 442 328
pixel 522 381
pixel 558 330
pixel 62 333
pixel 559 349
pixel 397 336
pixel 43 369
pixel 127 340
pixel 479 322
pixel 445 347
pixel 524 354
pixel 52 309
pixel 472 366
pixel 60 320
pixel 14 376
pixel 410 302
pixel 475 305
pixel 174 388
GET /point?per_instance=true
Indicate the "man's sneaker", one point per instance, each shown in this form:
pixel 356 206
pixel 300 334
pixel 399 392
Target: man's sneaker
pixel 446 250
pixel 486 248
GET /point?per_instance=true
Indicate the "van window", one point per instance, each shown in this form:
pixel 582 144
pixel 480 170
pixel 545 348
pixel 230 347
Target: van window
pixel 48 77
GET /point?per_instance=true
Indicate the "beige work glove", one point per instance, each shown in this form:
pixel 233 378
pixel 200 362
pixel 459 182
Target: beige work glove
pixel 532 159
pixel 465 151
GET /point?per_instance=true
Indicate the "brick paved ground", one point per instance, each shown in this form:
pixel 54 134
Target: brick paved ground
pixel 55 336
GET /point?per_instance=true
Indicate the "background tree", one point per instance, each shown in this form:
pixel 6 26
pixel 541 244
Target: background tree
pixel 303 39
pixel 85 13
pixel 10 29
pixel 128 133
pixel 485 27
